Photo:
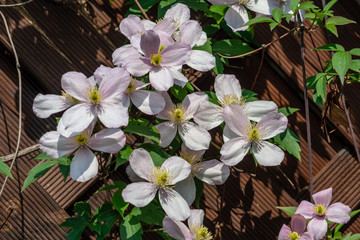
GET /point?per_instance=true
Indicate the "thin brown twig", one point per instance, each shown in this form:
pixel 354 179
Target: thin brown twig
pixel 142 10
pixel 22 152
pixel 15 4
pixel 258 72
pixel 20 100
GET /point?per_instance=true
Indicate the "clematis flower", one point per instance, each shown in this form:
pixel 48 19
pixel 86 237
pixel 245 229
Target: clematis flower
pixel 178 116
pixel 322 211
pixel 84 165
pixel 195 231
pixel 228 90
pixel 160 179
pixel 246 135
pixel 297 230
pixel 236 16
pixel 212 172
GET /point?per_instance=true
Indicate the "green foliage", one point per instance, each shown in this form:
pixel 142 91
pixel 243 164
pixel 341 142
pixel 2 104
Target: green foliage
pixel 38 171
pixel 258 20
pixel 288 141
pixel 117 200
pixel 130 227
pixel 199 191
pixel 123 156
pixel 288 110
pixel 288 210
pixel 248 95
pixel 152 214
pixel 294 5
pixel 178 92
pixel 140 127
pixel 145 4
pixel 231 47
pixel 333 21
pixel 331 47
pixel 341 62
pixel 4 168
pixel 157 154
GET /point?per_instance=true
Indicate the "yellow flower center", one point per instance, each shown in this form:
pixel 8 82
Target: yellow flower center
pixel 202 233
pixel 254 135
pixel 243 1
pixel 94 96
pixel 177 113
pixel 81 139
pixel 294 236
pixel 320 209
pixel 156 59
pixel 69 99
pixel 161 177
pixel 161 48
pixel 132 86
pixel 190 158
pixel 231 98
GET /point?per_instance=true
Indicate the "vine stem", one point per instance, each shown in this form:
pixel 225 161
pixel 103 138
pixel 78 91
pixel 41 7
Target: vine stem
pixel 142 10
pixel 307 114
pixel 22 152
pixel 20 101
pixel 15 4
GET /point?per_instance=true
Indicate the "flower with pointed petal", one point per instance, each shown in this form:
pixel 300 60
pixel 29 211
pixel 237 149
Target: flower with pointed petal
pixel 297 230
pixel 84 165
pixel 179 116
pixel 212 172
pixel 228 90
pixel 162 179
pixel 322 211
pixel 247 135
pixel 195 231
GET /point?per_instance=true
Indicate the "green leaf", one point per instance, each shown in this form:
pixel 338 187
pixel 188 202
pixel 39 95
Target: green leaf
pixel 273 25
pixel 218 12
pixel 77 226
pixel 206 47
pixel 117 200
pixel 64 166
pixel 123 156
pixel 288 110
pixel 294 5
pixel 258 20
pixel 288 210
pixel 136 127
pixel 38 171
pixel 330 5
pixel 248 95
pixel 355 65
pixel 5 169
pixel 82 208
pixel 277 14
pixel 43 156
pixel 130 227
pixel 219 67
pixel 199 191
pixel 341 62
pixel 196 5
pixel 211 29
pixel 145 4
pixel 109 218
pixel 307 6
pixel 116 184
pixel 355 51
pixel 178 92
pixel 289 142
pixel 321 87
pixel 231 47
pixel 152 214
pixel 331 47
pixel 337 20
pixel 164 6
pixel 332 29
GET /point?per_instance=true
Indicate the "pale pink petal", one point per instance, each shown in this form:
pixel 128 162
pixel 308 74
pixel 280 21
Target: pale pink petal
pixel 123 53
pixel 227 84
pixel 236 16
pixel 167 132
pixel 114 83
pixel 272 124
pixel 234 150
pixel 187 189
pixel 208 115
pixel 148 25
pixel 132 175
pixel 137 66
pixel 175 54
pixel 166 25
pixel 179 78
pixel 176 229
pixel 135 41
pixel 306 209
pixel 168 104
pixel 140 85
pixel 190 32
pixel 108 140
pixel 284 233
pixel 192 102
pixel 84 165
pixel 55 145
pixel 45 105
pixel 196 154
pixel 76 119
pixel 212 172
pixel 298 223
pixel 318 228
pixel 125 100
pixel 173 204
pixel 100 73
pixel 258 109
pixel 201 60
pixel 113 114
pixel 141 163
pixel 139 194
pixel 179 12
pixel 222 2
pixel 202 40
pixel 196 217
pixel 161 79
pixel 150 103
pixel 228 134
pixel 76 84
pixel 165 38
pixel 338 213
pixel 263 6
pixel 131 26
pixel 236 119
pixel 178 167
pixel 268 154
pixel 323 197
pixel 150 43
pixel 194 136
pixel 307 236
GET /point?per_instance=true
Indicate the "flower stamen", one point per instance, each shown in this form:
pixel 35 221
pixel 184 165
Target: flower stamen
pixel 201 232
pixel 231 98
pixel 320 209
pixel 81 139
pixel 69 99
pixel 177 113
pixel 156 59
pixel 161 177
pixel 132 86
pixel 294 236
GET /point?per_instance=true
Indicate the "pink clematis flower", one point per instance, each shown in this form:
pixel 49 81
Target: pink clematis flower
pixel 297 230
pixel 322 211
pixel 236 16
pixel 179 116
pixel 160 179
pixel 228 90
pixel 245 135
pixel 212 172
pixel 84 165
pixel 195 231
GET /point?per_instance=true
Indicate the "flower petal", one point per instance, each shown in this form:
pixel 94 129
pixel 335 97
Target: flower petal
pixel 168 104
pixel 236 119
pixel 132 175
pixel 190 32
pixel 113 114
pixel 284 233
pixel 236 16
pixel 123 53
pixel 234 150
pixel 196 217
pixel 208 115
pixel 268 154
pixel 323 197
pixel 84 165
pixel 192 102
pixel 338 213
pixel 318 228
pixel 194 136
pixel 131 25
pixel 223 2
pixel 258 109
pixel 150 103
pixel 212 172
pixel 139 194
pixel 76 84
pixel 100 73
pixel 166 25
pixel 46 105
pixel 150 43
pixel 307 236
pixel 176 229
pixel 167 132
pixel 114 83
pixel 196 155
pixel 228 134
pixel 178 167
pixel 161 79
pixel 137 66
pixel 175 54
pixel 179 78
pixel 264 6
pixel 141 163
pixel 201 60
pixel 272 124
pixel 306 209
pixel 107 140
pixel 178 12
pixel 55 145
pixel 173 204
pixel 227 84
pixel 203 39
pixel 148 25
pixel 187 189
pixel 298 223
